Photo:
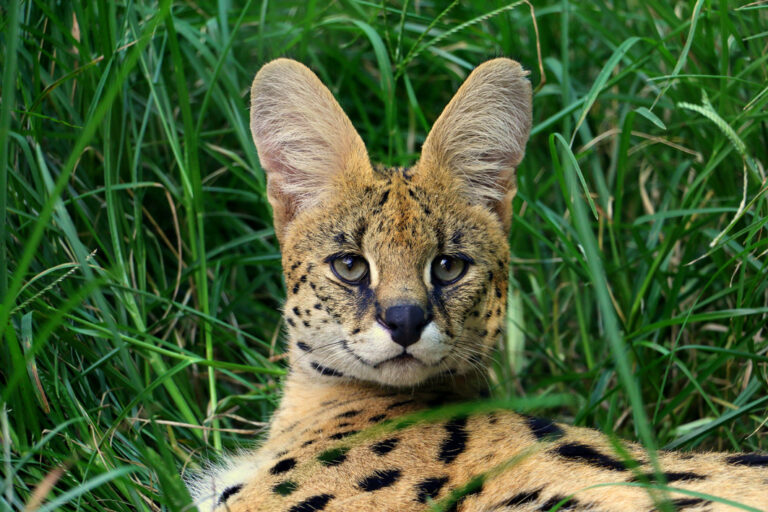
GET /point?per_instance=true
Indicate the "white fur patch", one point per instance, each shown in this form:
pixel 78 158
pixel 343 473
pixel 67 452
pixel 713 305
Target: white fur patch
pixel 431 347
pixel 207 486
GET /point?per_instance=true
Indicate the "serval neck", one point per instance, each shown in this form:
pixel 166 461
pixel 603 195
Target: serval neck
pixel 303 393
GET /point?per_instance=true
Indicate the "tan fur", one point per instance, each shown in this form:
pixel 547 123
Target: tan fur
pixel 336 443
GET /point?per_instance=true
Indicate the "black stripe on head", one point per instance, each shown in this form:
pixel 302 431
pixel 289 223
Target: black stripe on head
pixel 583 453
pixel 322 370
pixel 312 504
pixel 379 479
pixel 748 459
pixel 544 429
pixel 456 442
pixel 303 346
pixel 429 488
pixel 229 492
pixel 360 230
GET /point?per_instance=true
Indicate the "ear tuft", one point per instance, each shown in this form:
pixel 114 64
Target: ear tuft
pixel 480 137
pixel 304 139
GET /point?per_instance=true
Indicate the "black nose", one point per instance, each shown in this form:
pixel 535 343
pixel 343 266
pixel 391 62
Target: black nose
pixel 405 323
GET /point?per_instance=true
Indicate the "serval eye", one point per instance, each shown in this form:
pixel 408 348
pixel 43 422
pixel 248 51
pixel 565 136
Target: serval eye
pixel 350 268
pixel 448 269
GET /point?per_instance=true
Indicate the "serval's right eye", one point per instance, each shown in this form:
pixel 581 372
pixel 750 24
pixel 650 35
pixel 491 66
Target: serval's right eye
pixel 350 268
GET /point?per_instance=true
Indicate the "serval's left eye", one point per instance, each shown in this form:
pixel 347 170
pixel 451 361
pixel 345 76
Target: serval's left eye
pixel 448 269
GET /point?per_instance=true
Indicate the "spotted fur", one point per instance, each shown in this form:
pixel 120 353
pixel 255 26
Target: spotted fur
pixel 347 435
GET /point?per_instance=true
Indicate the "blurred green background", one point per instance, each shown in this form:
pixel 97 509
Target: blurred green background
pixel 140 276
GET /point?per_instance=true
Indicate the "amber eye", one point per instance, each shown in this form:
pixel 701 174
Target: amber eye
pixel 448 269
pixel 350 268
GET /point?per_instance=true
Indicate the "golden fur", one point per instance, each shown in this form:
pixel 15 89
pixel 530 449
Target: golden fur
pixel 335 443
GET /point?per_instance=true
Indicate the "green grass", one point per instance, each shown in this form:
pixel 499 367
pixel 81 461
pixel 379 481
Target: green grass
pixel 140 279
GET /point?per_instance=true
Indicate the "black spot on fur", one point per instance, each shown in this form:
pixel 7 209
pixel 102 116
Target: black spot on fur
pixel 669 477
pixel 521 498
pixel 748 459
pixel 342 435
pixel 306 324
pixel 325 371
pixel 429 488
pixel 544 429
pixel 385 446
pixel 456 442
pixel 377 418
pixel 318 306
pixel 355 331
pixel 296 288
pixel 312 504
pixel 303 346
pixel 583 453
pixel 283 466
pixel 291 322
pixel 569 504
pixel 384 198
pixel 307 443
pixel 349 414
pixel 688 502
pixel 399 404
pixel 340 238
pixel 498 292
pixel 229 492
pixel 333 457
pixel 379 479
pixel 285 488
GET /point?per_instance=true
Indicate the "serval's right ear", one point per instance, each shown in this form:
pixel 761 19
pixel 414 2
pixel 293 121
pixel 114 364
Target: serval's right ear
pixel 307 145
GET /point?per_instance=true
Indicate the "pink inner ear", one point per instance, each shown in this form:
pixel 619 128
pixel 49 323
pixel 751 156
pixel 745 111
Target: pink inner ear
pixel 480 137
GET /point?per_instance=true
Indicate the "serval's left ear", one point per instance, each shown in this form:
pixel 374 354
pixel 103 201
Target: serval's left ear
pixel 480 136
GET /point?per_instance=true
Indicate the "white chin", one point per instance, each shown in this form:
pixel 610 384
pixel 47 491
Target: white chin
pixel 405 374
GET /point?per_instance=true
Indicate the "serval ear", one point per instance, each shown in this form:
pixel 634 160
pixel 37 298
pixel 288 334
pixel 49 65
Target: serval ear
pixel 306 144
pixel 480 136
